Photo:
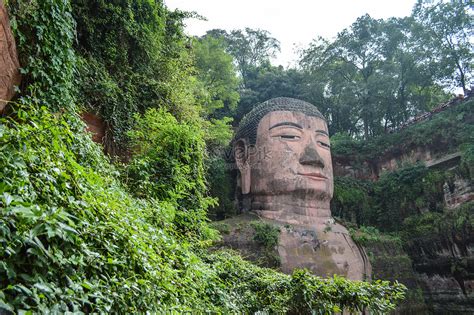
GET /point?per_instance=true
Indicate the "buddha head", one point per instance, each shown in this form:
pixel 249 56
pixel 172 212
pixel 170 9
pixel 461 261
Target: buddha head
pixel 283 155
pixel 282 149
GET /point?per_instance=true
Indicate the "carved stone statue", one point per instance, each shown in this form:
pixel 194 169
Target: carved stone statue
pixel 9 65
pixel 283 154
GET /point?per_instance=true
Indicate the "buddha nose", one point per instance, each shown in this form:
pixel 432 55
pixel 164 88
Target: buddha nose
pixel 311 156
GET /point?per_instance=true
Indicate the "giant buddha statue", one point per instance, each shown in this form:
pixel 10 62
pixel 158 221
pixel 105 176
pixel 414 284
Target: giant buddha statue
pixel 283 154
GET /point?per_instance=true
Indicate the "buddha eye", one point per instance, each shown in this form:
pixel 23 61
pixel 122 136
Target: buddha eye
pixel 324 144
pixel 289 137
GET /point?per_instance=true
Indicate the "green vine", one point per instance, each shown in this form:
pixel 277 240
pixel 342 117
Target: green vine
pixel 44 32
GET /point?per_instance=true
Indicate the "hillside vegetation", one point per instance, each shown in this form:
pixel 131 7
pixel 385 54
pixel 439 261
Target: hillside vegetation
pixel 79 233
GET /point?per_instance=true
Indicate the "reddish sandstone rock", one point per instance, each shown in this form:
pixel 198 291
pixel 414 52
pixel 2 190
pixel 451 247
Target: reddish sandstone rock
pixel 9 64
pixel 95 125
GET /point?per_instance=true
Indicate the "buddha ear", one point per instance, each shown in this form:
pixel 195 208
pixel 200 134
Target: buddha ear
pixel 241 154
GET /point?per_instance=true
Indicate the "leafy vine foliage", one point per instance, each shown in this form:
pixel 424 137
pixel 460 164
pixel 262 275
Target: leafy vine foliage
pixel 133 57
pixel 80 234
pixel 168 165
pixel 44 32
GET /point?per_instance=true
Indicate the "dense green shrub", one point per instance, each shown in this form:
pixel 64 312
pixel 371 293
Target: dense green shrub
pixel 133 56
pixel 385 203
pixel 266 290
pixel 398 195
pixel 438 228
pixel 72 238
pixel 266 234
pixel 167 164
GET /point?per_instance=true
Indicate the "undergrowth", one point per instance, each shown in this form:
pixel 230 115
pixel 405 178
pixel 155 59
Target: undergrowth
pixel 74 239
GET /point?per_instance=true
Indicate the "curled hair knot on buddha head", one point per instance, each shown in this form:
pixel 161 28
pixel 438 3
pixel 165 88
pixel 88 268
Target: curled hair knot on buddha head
pixel 249 124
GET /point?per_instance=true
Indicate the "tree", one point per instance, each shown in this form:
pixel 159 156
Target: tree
pixel 409 80
pixel 447 34
pixel 251 48
pixel 216 72
pixel 351 63
pixel 375 76
pixel 267 82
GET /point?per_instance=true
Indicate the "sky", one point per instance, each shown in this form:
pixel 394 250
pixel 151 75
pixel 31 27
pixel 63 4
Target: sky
pixel 293 22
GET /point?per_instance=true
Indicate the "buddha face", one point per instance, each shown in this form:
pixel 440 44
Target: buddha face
pixel 291 155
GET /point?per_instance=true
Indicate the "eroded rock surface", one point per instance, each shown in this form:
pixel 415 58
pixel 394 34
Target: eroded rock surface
pixel 95 125
pixel 445 268
pixel 9 65
pixel 324 251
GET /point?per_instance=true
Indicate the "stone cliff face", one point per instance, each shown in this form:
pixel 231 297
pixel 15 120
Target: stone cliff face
pixel 438 266
pixel 95 125
pixel 458 192
pixel 444 264
pixel 390 262
pixel 9 65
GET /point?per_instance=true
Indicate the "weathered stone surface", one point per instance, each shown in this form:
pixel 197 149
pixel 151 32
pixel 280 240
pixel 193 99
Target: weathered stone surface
pixel 324 251
pixel 445 295
pixel 444 263
pixel 9 65
pixel 388 163
pixel 283 154
pixel 459 192
pixel 95 125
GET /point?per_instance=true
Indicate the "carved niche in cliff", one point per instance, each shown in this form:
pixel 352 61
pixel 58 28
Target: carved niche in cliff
pixel 9 65
pixel 283 155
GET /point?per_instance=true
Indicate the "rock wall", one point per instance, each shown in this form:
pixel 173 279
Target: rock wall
pixel 372 169
pixel 437 264
pixel 444 265
pixel 438 268
pixel 390 262
pixel 458 192
pixel 95 125
pixel 446 296
pixel 9 64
